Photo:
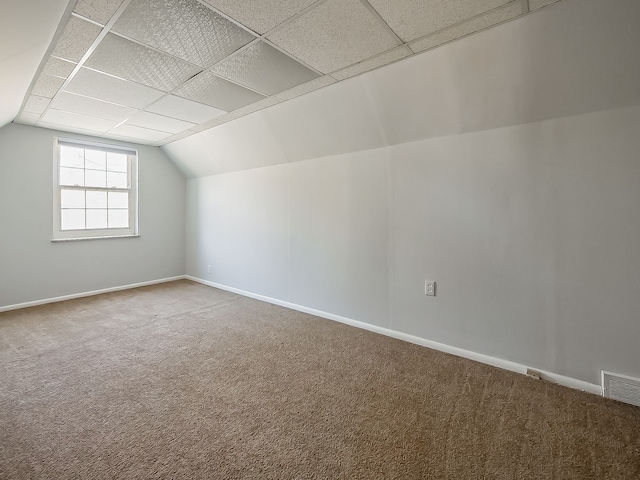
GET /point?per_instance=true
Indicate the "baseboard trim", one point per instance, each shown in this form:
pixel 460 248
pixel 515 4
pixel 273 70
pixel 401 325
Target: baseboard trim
pixel 88 294
pixel 478 357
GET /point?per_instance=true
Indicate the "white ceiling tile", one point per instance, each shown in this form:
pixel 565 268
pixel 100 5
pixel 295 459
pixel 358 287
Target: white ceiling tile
pixel 335 34
pixel 383 59
pixel 104 87
pixel 480 22
pixel 184 109
pixel 411 19
pixel 139 133
pixel 184 28
pixel 99 11
pixel 132 61
pixel 260 15
pixel 27 118
pixel 78 35
pixel 92 107
pixel 536 4
pixel 178 136
pixel 259 105
pixel 265 69
pixel 61 118
pixel 217 92
pixel 159 122
pixel 36 104
pixel 306 87
pixel 58 67
pixel 47 86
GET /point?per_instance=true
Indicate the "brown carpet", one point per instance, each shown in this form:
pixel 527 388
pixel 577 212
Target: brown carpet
pixel 185 381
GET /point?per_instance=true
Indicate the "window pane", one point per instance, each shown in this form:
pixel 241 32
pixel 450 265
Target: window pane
pixel 71 176
pixel 117 180
pixel 72 198
pixel 71 157
pixel 118 200
pixel 96 219
pixel 116 162
pixel 95 178
pixel 72 219
pixel 95 160
pixel 118 218
pixel 96 199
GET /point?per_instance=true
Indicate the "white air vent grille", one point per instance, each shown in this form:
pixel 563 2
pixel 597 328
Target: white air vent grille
pixel 621 387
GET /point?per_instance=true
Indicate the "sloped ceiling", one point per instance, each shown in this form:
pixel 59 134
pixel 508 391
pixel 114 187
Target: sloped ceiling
pixel 155 71
pixel 574 57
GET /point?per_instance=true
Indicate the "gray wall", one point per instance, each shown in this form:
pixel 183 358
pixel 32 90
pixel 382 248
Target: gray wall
pixel 33 268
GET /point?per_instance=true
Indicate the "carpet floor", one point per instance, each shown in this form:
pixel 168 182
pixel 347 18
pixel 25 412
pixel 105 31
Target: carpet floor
pixel 184 381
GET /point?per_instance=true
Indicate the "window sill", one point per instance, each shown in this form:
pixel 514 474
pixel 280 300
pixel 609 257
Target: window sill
pixel 75 239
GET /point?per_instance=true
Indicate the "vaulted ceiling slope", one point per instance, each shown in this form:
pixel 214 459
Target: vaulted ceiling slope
pixel 154 71
pixel 576 57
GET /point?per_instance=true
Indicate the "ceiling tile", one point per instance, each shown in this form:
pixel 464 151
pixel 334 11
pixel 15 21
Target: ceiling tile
pixel 411 19
pixel 99 11
pixel 184 28
pixel 104 87
pixel 61 118
pixel 480 22
pixel 139 133
pixel 260 15
pixel 47 86
pixel 27 118
pixel 36 104
pixel 335 34
pixel 217 92
pixel 92 107
pixel 536 4
pixel 132 61
pixel 306 87
pixel 58 67
pixel 265 69
pixel 254 107
pixel 374 62
pixel 184 109
pixel 78 35
pixel 159 122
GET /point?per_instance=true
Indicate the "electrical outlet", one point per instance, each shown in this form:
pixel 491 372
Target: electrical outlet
pixel 208 268
pixel 430 288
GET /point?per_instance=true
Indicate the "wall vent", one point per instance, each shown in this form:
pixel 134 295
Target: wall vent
pixel 621 387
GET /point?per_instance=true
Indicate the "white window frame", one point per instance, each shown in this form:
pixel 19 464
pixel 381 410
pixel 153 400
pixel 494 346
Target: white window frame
pixel 86 233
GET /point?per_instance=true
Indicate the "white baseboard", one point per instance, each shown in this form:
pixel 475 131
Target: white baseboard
pixel 478 357
pixel 88 294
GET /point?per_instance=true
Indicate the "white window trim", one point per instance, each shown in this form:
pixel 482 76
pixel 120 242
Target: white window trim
pixel 60 235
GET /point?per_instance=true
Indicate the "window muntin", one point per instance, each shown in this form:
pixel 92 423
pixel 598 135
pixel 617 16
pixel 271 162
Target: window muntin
pixel 95 190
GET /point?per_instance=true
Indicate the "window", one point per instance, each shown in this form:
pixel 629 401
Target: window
pixel 95 190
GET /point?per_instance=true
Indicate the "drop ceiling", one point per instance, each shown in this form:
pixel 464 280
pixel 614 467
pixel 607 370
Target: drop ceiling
pixel 155 71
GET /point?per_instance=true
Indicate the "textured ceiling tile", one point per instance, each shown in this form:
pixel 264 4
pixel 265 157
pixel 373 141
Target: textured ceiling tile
pixel 27 118
pixel 260 15
pixel 183 28
pixel 36 104
pixel 76 39
pixel 184 109
pixel 159 122
pixel 59 68
pixel 60 118
pixel 47 86
pixel 99 11
pixel 265 69
pixel 104 87
pixel 334 35
pixel 493 17
pixel 217 92
pixel 92 107
pixel 139 133
pixel 306 87
pixel 536 4
pixel 411 19
pixel 371 63
pixel 132 61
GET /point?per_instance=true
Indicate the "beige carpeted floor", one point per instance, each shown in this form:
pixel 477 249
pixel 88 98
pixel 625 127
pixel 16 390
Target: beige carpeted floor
pixel 185 381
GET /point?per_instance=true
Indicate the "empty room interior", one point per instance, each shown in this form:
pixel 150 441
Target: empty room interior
pixel 320 239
